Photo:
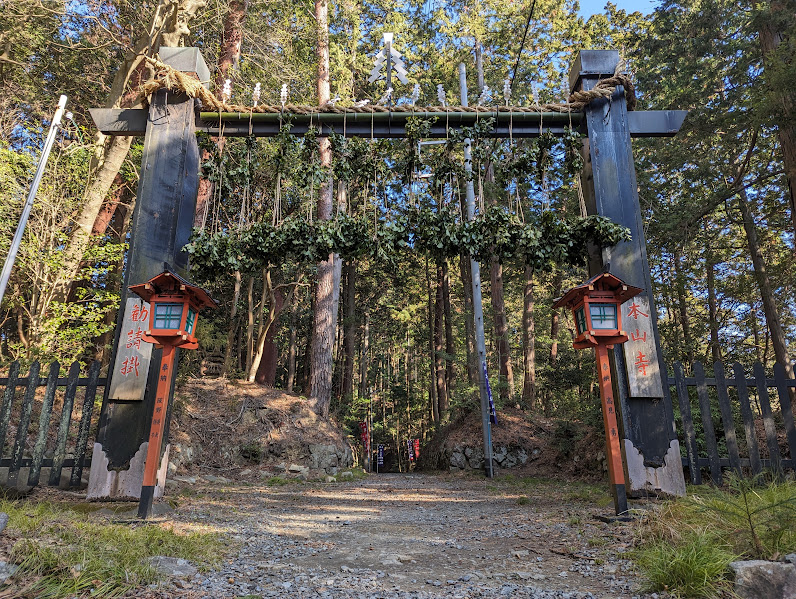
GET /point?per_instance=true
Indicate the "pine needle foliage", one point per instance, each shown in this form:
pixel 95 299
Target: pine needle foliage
pixel 686 546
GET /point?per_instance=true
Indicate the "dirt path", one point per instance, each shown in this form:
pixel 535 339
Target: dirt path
pixel 409 536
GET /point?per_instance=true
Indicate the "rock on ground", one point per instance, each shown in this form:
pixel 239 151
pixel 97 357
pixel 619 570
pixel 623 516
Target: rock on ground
pixel 759 579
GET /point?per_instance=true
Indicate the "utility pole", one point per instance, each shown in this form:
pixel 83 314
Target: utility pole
pixel 34 187
pixel 478 309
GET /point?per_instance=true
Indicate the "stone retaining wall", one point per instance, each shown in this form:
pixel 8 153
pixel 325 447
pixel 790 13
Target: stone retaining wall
pixel 462 457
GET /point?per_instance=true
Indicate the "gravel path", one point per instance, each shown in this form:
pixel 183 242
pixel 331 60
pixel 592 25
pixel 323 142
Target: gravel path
pixel 402 536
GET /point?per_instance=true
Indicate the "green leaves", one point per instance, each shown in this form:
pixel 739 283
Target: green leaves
pixel 440 234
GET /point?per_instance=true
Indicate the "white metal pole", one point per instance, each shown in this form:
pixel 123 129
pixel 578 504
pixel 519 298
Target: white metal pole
pixel 23 220
pixel 478 309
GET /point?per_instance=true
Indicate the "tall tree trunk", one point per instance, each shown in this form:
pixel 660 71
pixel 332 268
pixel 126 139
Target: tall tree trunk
pixel 439 361
pixel 529 342
pixel 682 306
pixel 339 329
pixel 124 194
pixel 323 329
pixel 228 58
pixel 168 26
pixel 350 324
pixel 307 357
pixel 292 346
pixel 263 303
pixel 450 347
pixel 555 325
pixel 469 325
pixel 233 325
pixel 773 24
pixel 249 323
pixel 432 380
pixel 260 369
pixel 506 388
pixel 364 358
pixel 265 372
pixel 713 318
pixel 764 284
pixel 118 225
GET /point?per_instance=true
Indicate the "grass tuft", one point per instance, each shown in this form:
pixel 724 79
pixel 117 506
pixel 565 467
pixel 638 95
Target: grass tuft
pixel 67 552
pixel 278 481
pixel 694 568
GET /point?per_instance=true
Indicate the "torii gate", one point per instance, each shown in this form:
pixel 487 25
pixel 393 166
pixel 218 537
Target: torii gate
pixel 164 213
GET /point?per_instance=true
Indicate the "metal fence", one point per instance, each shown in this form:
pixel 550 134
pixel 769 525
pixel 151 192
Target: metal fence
pixel 41 445
pixel 727 407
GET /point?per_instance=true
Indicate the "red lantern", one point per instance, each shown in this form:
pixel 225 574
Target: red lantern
pixel 174 306
pixel 596 306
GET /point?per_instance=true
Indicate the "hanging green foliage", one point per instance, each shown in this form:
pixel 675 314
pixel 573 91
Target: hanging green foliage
pixel 440 234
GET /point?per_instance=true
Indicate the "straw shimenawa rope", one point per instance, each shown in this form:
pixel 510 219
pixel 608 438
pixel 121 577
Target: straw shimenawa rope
pixel 167 77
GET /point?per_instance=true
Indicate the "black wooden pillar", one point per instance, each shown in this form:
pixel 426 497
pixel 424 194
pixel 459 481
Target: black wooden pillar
pixel 161 226
pixel 651 449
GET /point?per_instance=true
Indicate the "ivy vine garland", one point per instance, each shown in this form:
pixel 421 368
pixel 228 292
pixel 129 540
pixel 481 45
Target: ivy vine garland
pixel 439 234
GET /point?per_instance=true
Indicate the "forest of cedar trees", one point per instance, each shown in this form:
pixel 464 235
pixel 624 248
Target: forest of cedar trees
pixel 717 200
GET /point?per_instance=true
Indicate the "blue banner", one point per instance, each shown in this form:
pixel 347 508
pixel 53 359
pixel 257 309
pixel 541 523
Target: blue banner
pixel 380 455
pixel 492 412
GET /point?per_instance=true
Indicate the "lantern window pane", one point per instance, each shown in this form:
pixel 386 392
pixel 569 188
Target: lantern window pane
pixel 189 322
pixel 167 315
pixel 580 320
pixel 603 316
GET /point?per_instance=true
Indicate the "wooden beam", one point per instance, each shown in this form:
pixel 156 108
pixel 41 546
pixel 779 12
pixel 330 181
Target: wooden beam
pixel 115 121
pixel 650 123
pixel 655 123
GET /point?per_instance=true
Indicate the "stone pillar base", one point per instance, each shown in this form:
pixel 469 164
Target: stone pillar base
pixel 644 480
pixel 113 485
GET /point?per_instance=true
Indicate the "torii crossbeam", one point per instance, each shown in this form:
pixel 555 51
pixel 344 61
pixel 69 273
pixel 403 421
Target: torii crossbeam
pixel 164 213
pixel 507 123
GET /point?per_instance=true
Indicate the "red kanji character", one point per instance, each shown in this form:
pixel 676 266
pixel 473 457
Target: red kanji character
pixel 642 362
pixel 130 365
pixel 635 311
pixel 134 338
pixel 139 314
pixel 638 336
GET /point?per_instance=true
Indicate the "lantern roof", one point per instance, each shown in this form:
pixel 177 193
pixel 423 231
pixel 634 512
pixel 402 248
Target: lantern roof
pixel 602 282
pixel 170 282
